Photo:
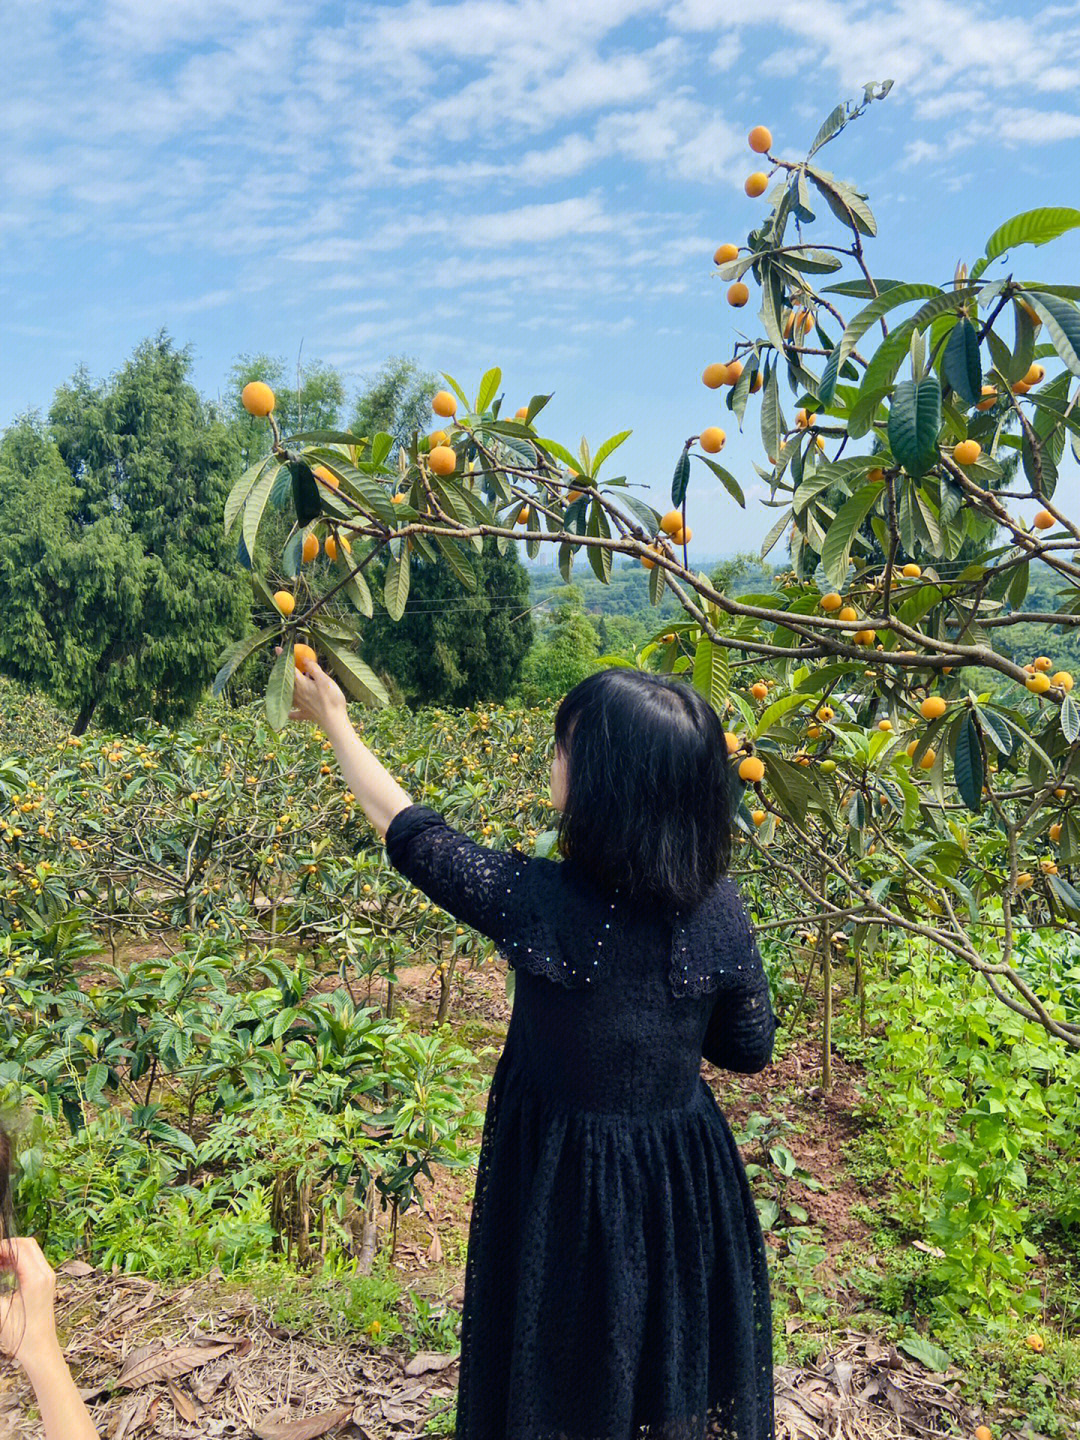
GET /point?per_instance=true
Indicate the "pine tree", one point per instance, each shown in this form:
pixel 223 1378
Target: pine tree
pixel 119 589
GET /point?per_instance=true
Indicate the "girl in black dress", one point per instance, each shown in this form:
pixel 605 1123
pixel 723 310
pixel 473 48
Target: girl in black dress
pixel 616 1284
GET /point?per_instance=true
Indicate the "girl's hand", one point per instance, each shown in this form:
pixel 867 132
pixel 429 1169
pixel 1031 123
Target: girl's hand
pixel 317 696
pixel 27 1319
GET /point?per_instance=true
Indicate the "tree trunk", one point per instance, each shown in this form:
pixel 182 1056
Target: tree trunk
pixel 101 669
pixel 83 718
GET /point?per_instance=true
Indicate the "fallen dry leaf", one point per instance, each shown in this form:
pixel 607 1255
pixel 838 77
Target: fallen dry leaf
pixel 152 1363
pixel 427 1361
pixel 186 1407
pixel 75 1268
pixel 132 1414
pixel 307 1427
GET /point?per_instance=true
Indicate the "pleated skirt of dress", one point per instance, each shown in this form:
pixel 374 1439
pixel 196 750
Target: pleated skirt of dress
pixel 616 1282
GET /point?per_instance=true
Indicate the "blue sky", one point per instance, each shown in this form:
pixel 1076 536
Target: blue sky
pixel 537 184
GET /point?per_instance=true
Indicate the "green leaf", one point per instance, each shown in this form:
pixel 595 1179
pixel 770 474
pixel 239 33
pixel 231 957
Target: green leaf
pixel 872 313
pixel 925 1352
pixel 599 555
pixel 862 289
pixel 1063 323
pixel 772 421
pixel 489 386
pixel 238 653
pixel 847 204
pixel 776 711
pixel 1024 352
pixel 381 445
pixel 373 495
pixel 711 671
pixel 730 484
pixel 680 479
pixel 536 404
pixel 1033 227
pixel 647 517
pixel 1070 719
pixel 456 388
pixel 255 505
pixel 457 561
pixel 607 447
pixel 914 423
pixel 997 730
pixel 968 764
pixel 960 362
pixel 357 678
pixel 396 586
pixel 307 501
pixel 657 582
pixel 817 680
pixel 772 303
pixel 1069 897
pixel 831 125
pixel 813 262
pixel 774 534
pixel 356 588
pixel 279 690
pixel 243 487
pixel 560 452
pixel 792 786
pixel 1018 585
pixel 836 552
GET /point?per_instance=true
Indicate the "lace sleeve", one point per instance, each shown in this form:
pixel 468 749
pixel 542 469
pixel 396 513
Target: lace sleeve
pixel 484 888
pixel 742 1025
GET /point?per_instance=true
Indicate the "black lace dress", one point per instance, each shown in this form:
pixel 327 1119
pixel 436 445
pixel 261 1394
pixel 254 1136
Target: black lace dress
pixel 616 1284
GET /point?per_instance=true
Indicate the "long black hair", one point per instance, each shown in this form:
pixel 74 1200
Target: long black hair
pixel 648 808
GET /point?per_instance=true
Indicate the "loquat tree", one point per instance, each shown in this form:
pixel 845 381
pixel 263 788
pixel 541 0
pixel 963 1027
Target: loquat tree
pixel 909 767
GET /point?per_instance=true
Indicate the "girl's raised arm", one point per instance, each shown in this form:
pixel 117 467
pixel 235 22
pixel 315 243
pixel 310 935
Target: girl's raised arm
pixel 318 697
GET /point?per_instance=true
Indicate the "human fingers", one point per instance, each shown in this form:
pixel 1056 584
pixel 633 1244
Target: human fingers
pixel 24 1255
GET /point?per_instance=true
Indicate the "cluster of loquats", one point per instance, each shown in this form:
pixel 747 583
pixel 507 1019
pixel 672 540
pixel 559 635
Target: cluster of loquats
pixel 1039 680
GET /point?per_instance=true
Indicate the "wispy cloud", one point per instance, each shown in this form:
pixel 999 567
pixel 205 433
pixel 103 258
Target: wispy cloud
pixel 534 178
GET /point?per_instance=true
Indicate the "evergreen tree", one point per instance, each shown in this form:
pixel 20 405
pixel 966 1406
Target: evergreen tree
pixel 118 587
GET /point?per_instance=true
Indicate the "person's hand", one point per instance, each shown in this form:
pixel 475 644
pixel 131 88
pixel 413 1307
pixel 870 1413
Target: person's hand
pixel 27 1317
pixel 316 695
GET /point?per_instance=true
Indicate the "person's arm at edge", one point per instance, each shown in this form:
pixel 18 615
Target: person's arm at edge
pixel 64 1415
pixel 28 1332
pixel 319 698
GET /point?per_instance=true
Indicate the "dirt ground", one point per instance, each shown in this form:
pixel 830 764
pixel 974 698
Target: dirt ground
pixel 207 1360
